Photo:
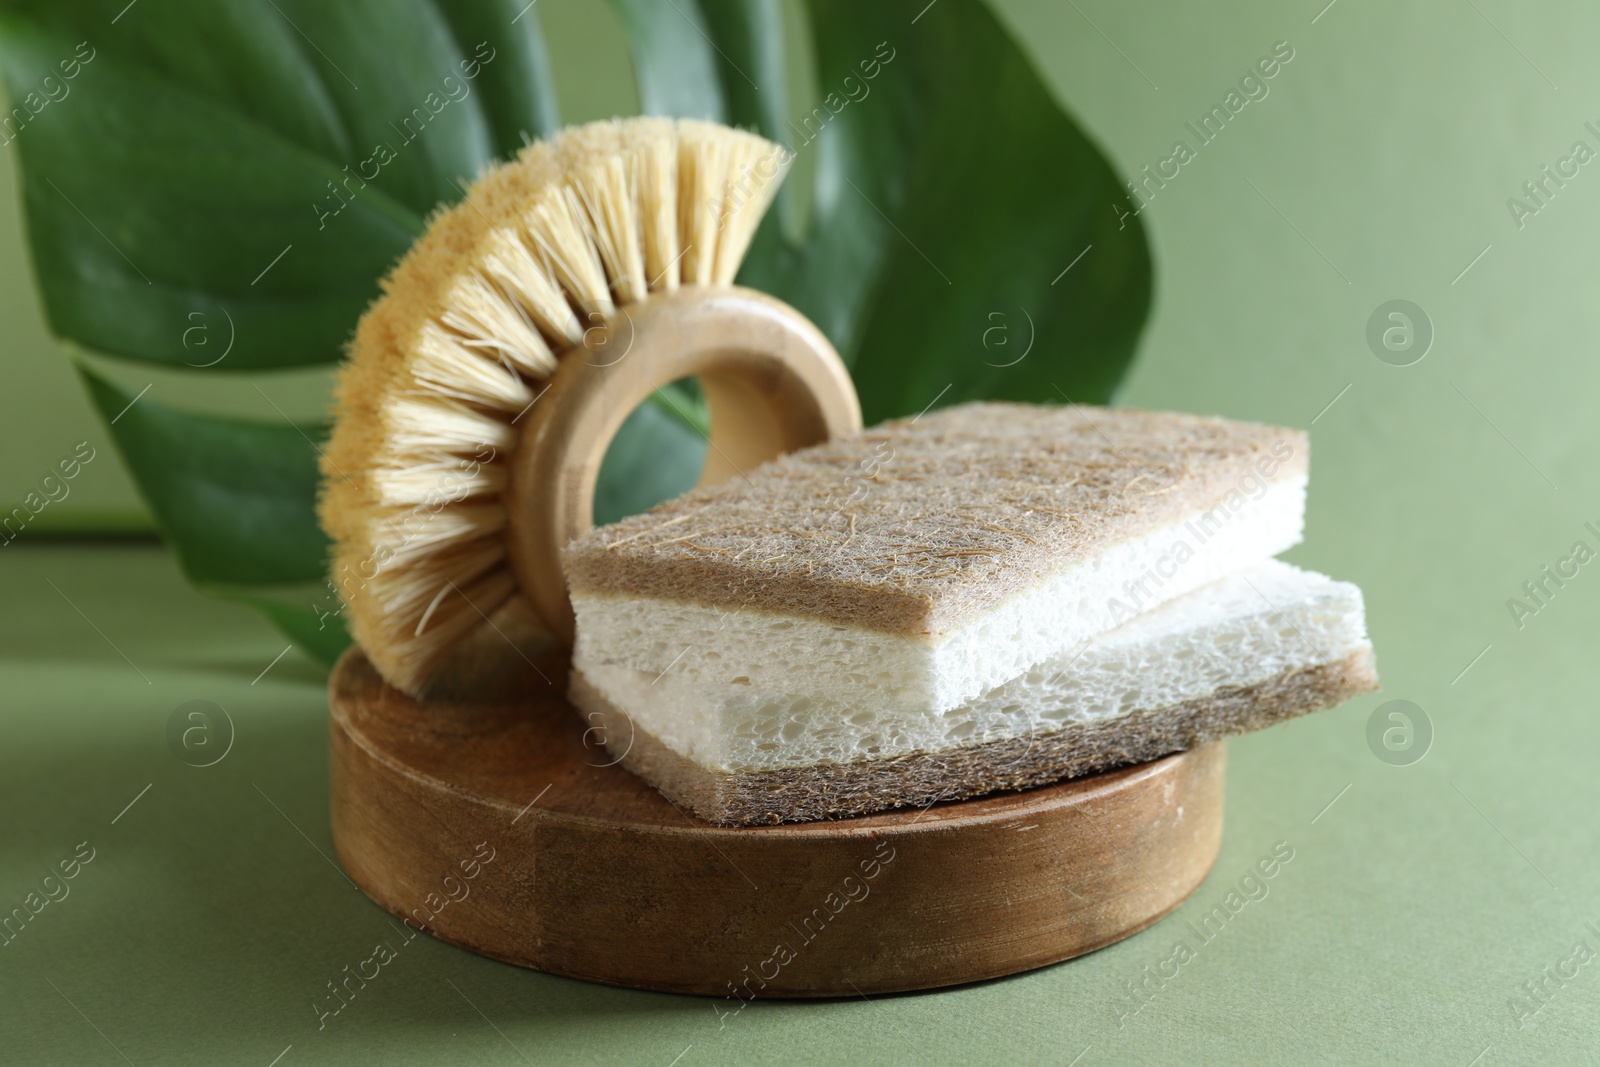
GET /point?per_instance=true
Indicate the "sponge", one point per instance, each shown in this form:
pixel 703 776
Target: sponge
pixel 928 560
pixel 992 597
pixel 1264 645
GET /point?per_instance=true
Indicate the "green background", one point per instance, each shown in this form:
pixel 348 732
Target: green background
pixel 1377 168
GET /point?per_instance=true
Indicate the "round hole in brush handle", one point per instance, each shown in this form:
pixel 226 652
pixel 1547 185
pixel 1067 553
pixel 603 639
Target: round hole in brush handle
pixel 771 379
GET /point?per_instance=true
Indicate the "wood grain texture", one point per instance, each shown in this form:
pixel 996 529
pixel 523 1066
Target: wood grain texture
pixel 492 817
pixel 772 382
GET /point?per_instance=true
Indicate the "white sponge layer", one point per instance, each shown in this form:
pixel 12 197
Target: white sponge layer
pixel 1243 630
pixel 846 666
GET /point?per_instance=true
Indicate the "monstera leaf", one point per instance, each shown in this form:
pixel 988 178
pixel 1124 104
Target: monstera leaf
pixel 264 162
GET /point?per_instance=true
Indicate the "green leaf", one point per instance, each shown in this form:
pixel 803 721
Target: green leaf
pixel 259 160
pixel 654 457
pixel 991 192
pixel 748 41
pixel 518 95
pixel 951 193
pixel 674 59
pixel 236 500
pixel 684 401
pixel 312 621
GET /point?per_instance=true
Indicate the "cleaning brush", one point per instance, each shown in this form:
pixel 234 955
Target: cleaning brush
pixel 471 325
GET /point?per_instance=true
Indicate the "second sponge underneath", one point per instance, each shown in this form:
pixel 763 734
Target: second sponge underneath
pixel 1253 626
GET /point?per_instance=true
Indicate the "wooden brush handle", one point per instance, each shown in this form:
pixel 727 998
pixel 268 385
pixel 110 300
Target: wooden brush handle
pixel 772 381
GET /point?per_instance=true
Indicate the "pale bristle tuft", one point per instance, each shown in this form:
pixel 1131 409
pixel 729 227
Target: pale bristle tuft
pixel 434 426
pixel 755 169
pixel 488 321
pixel 532 288
pixel 702 165
pixel 560 232
pixel 465 370
pixel 433 482
pixel 603 185
pixel 653 145
pixel 473 322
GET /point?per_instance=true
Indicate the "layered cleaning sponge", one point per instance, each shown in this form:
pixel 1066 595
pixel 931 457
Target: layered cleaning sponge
pixel 991 597
pixel 926 561
pixel 1266 644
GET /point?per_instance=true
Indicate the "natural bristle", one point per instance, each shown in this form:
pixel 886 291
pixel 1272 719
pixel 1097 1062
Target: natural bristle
pixel 472 321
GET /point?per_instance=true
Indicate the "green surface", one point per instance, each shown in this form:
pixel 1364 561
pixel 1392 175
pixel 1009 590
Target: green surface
pixel 1415 907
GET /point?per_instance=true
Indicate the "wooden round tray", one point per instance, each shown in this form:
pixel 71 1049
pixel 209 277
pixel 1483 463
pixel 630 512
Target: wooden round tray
pixel 494 821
